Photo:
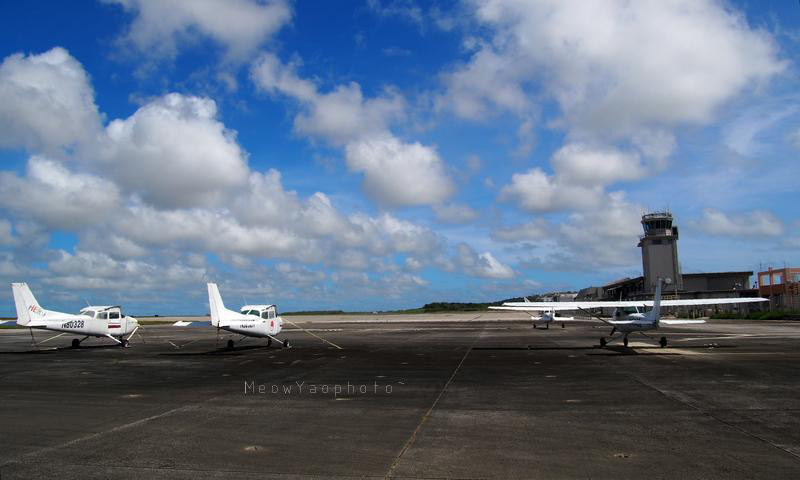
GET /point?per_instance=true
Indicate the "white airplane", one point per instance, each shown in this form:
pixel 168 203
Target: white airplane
pixel 260 321
pixel 627 317
pixel 91 321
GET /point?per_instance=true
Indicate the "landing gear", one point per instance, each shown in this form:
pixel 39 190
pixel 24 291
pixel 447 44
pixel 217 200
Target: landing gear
pixel 625 340
pixel 269 342
pixel 286 344
pixel 563 326
pixel 663 342
pixel 547 326
pixel 76 343
pixel 230 344
pixel 603 342
pixel 124 342
pixel 534 325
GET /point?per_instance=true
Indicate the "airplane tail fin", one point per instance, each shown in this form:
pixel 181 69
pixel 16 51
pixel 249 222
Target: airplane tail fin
pixel 215 305
pixel 27 307
pixel 655 313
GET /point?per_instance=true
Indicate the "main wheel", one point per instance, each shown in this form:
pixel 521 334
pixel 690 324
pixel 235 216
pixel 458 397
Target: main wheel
pixel 230 344
pixel 663 342
pixel 269 342
pixel 286 344
pixel 76 343
pixel 625 341
pixel 124 342
pixel 602 342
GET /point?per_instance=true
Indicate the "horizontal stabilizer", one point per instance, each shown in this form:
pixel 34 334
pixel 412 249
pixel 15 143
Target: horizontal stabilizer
pixel 182 323
pixel 681 322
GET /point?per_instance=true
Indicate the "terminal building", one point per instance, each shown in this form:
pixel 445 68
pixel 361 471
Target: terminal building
pixel 659 245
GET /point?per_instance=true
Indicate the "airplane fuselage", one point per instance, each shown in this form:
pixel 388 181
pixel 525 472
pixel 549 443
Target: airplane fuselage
pixel 85 325
pixel 257 327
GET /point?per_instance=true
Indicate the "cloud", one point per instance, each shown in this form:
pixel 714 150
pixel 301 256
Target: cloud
pixel 174 152
pixel 455 213
pixel 399 174
pixel 46 102
pixel 481 264
pixel 757 223
pixel 534 230
pixel 537 191
pixel 584 165
pixel 396 173
pixel 240 26
pixel 794 138
pixel 581 173
pixel 58 198
pixel 6 234
pixel 608 65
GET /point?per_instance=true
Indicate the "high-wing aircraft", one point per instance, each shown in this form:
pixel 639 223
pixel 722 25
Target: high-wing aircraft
pixel 91 321
pixel 627 317
pixel 260 321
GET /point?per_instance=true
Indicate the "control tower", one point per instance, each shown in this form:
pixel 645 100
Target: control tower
pixel 660 251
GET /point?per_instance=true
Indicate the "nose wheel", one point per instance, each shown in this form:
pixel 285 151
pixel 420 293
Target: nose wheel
pixel 663 342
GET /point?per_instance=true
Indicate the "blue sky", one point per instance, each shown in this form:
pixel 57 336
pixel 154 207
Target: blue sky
pixel 384 154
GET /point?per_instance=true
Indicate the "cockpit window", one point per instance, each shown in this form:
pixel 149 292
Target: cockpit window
pixel 103 315
pixel 265 314
pixel 87 312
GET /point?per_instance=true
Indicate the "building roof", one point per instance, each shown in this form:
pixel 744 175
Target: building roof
pixel 717 274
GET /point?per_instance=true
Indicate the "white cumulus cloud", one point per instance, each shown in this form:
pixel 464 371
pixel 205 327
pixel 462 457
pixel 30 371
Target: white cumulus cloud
pixel 757 223
pixel 46 102
pixel 241 26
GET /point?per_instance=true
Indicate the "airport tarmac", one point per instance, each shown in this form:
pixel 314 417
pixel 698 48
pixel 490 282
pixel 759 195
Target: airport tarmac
pixel 427 399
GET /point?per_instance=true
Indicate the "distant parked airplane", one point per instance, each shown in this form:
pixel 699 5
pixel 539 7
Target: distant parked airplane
pixel 627 317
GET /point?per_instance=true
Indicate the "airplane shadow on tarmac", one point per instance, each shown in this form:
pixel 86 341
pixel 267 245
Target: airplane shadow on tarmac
pixel 222 351
pixel 615 350
pixel 60 349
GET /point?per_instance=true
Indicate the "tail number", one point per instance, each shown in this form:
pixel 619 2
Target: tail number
pixel 72 324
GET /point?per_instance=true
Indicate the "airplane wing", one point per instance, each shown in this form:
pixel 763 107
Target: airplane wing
pixel 539 306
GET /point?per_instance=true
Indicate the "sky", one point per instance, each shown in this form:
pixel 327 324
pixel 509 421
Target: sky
pixel 383 154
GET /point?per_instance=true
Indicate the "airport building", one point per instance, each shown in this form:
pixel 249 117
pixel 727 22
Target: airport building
pixel 781 286
pixel 659 245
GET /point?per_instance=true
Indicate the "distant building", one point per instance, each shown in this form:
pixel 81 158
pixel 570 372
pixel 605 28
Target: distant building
pixel 781 286
pixel 659 246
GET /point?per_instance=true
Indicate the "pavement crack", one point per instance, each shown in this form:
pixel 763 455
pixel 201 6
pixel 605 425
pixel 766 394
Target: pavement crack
pixel 688 401
pixel 428 414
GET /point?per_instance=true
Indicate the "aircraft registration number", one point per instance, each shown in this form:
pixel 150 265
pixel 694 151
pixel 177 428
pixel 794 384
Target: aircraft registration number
pixel 73 324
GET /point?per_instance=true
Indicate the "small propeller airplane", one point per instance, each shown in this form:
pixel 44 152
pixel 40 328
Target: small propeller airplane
pixel 259 321
pixel 91 321
pixel 627 317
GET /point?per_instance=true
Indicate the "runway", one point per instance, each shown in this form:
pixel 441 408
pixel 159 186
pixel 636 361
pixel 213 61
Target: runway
pixel 416 398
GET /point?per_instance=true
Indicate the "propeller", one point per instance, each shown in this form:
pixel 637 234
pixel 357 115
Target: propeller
pixel 312 334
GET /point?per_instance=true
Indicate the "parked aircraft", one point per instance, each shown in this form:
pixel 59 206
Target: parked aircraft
pixel 259 321
pixel 627 317
pixel 91 321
